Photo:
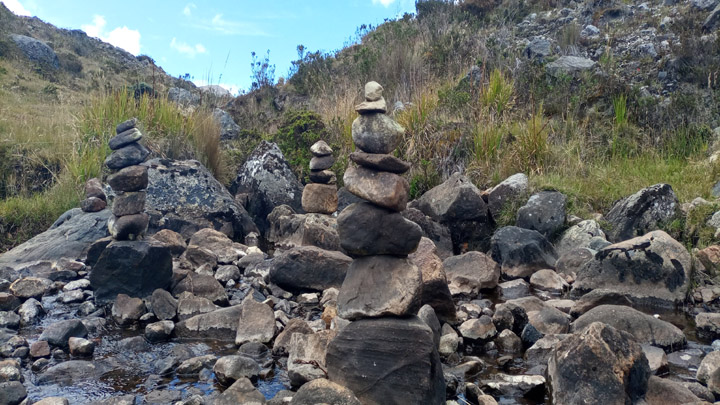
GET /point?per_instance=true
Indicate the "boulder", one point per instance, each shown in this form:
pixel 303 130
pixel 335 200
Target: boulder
pixel 569 65
pixel 548 280
pixel 183 98
pixel 708 325
pixel 256 322
pixel 229 369
pixel 506 194
pixel 642 212
pixel 521 252
pixel 570 262
pixel 127 310
pixel 470 273
pixel 709 366
pixel 664 391
pixel 544 212
pixel 80 347
pixel 133 268
pixel 376 133
pixel 159 331
pixel 322 391
pixel 360 234
pixel 387 361
pixel 289 229
pixel 435 291
pixel 36 50
pixel 307 355
pixel 598 297
pixel 12 392
pixel 163 304
pixel 579 236
pixel 221 324
pixel 458 204
pixel 380 286
pixel 30 287
pixel 282 341
pixel 438 233
pixel 482 328
pixel 229 130
pixel 173 240
pixel 202 285
pixel 70 236
pixel 190 305
pixel 308 268
pixel 646 329
pixel 268 181
pixel 241 392
pixel 385 189
pixel 601 363
pixel 653 269
pixel 58 333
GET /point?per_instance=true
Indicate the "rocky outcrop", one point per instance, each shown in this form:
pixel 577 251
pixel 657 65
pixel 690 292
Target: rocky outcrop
pixel 544 212
pixel 36 50
pixel 521 252
pixel 642 212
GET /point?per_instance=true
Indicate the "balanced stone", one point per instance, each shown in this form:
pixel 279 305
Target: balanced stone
pixel 93 204
pixel 93 188
pixel 320 148
pixel 367 230
pixel 323 176
pixel 125 138
pixel 373 91
pixel 387 361
pixel 371 107
pixel 129 155
pixel 129 203
pixel 376 133
pixel 321 163
pixel 320 198
pixel 128 227
pixel 131 178
pixel 125 125
pixel 378 286
pixel 381 188
pixel 380 162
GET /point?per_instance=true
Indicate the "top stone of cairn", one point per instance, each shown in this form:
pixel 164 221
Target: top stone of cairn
pixel 373 91
pixel 374 101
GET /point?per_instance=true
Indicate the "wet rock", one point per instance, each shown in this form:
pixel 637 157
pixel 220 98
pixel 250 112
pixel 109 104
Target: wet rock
pixel 644 328
pixel 30 287
pixel 507 192
pixel 380 286
pixel 709 367
pixel 708 325
pixel 193 366
pixel 544 212
pixel 127 310
pixel 10 370
pixel 163 305
pixel 80 347
pixel 202 285
pixel 52 401
pixel 308 268
pixel 548 280
pixel 159 331
pixel 307 356
pixel 600 363
pixel 30 312
pixel 642 212
pixel 376 133
pixel 366 357
pixel 229 369
pixel 70 373
pixel 220 325
pixel 579 236
pixel 58 333
pixel 268 180
pixel 133 268
pixel 470 273
pixel 521 252
pixel 435 291
pixel 12 392
pixel 478 329
pixel 653 269
pixel 384 189
pixel 241 392
pixel 256 322
pixel 9 302
pixel 40 348
pixel 360 235
pixel 325 392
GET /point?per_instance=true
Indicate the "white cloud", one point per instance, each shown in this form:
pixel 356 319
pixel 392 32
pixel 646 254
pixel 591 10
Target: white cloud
pixel 187 49
pixel 385 3
pixel 122 37
pixel 16 7
pixel 229 27
pixel 188 9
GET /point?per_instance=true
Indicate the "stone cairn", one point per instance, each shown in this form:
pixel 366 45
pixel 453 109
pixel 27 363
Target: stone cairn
pixel 321 195
pixel 95 198
pixel 129 181
pixel 386 355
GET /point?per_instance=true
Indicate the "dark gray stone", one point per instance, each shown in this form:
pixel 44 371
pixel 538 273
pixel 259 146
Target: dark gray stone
pixel 308 268
pixel 131 178
pixel 642 212
pixel 321 163
pixel 129 203
pixel 380 162
pixel 36 50
pixel 366 229
pixel 132 154
pixel 126 125
pixel 229 130
pixel 521 252
pixel 58 333
pixel 125 138
pixel 12 393
pixel 544 212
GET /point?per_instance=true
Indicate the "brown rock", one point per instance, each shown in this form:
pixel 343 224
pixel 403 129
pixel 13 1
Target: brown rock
pixel 93 188
pixel 381 188
pixel 93 204
pixel 128 227
pixel 129 203
pixel 132 178
pixel 320 198
pixel 435 286
pixel 380 162
pixel 172 240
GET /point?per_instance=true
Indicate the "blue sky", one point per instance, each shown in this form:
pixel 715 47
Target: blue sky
pixel 212 40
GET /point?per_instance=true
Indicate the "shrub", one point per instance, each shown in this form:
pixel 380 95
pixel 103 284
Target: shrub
pixel 297 133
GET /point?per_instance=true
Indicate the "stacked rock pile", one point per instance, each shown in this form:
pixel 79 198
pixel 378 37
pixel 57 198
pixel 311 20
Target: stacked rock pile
pixel 95 198
pixel 321 195
pixel 129 181
pixel 386 355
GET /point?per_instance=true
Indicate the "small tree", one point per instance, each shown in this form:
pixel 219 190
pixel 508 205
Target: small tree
pixel 263 73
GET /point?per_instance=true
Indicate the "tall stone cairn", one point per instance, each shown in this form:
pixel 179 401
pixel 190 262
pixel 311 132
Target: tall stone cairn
pixel 386 355
pixel 321 195
pixel 129 181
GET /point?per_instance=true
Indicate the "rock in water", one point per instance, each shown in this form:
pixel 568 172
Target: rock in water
pixel 601 364
pixel 653 270
pixel 380 286
pixel 380 188
pixel 132 268
pixel 387 361
pixel 256 324
pixel 366 230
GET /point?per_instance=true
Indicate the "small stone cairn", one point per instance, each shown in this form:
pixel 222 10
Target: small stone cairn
pixel 129 182
pixel 321 195
pixel 386 347
pixel 95 198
